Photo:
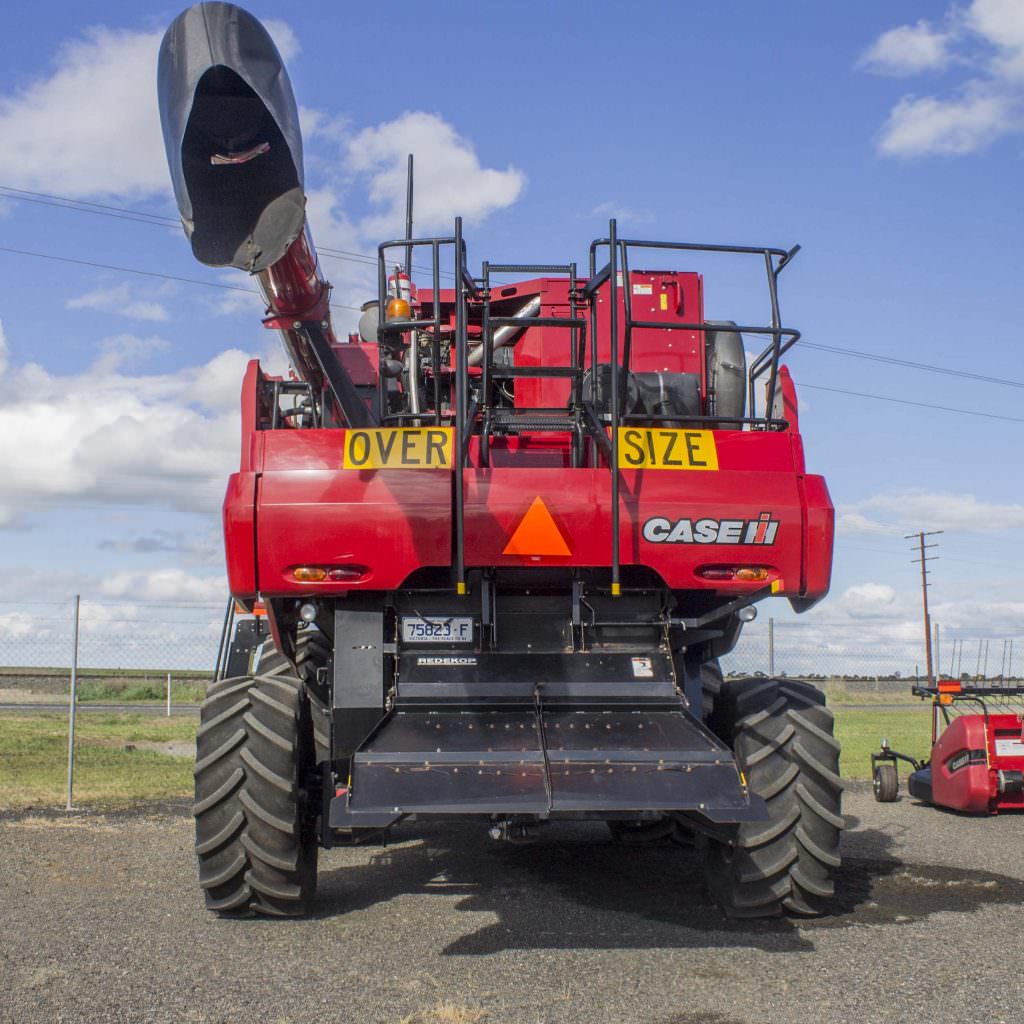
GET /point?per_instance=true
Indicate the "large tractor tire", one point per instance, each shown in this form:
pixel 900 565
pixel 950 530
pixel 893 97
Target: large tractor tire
pixel 255 793
pixel 782 736
pixel 711 686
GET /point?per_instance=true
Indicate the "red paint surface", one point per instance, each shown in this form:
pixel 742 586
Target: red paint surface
pixel 293 505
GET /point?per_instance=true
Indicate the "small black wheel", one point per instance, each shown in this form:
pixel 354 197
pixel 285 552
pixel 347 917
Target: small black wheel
pixel 886 783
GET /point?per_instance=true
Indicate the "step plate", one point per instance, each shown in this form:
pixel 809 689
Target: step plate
pixel 557 759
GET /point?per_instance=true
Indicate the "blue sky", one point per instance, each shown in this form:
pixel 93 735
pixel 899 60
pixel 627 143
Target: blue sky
pixel 887 139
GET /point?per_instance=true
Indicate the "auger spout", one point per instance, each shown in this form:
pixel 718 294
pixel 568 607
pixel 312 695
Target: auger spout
pixel 234 149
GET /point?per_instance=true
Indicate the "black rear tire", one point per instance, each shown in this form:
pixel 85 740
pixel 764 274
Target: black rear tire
pixel 711 686
pixel 782 736
pixel 886 783
pixel 256 794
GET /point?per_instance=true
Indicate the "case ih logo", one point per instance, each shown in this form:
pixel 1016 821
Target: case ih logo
pixel 761 530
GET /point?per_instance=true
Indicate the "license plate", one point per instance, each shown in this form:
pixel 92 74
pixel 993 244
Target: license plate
pixel 455 629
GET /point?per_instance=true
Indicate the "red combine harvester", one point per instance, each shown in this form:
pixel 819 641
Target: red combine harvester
pixel 977 759
pixel 502 534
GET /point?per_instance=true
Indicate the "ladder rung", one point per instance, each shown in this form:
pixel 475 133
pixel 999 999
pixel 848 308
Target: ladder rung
pixel 534 371
pixel 528 268
pixel 558 424
pixel 536 321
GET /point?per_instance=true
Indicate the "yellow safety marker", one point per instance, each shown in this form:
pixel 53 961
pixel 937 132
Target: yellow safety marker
pixel 656 448
pixel 399 448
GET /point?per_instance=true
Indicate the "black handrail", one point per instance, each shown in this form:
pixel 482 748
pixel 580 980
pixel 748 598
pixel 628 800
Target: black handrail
pixel 461 380
pixel 613 337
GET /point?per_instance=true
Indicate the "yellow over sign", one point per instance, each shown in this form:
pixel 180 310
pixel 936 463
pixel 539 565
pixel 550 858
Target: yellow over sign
pixel 399 448
pixel 656 448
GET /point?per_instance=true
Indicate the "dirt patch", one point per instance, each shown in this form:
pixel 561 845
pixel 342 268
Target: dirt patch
pixel 173 748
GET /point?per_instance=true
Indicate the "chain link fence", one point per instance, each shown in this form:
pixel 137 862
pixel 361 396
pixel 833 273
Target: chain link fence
pixel 123 649
pixel 870 656
pixel 127 644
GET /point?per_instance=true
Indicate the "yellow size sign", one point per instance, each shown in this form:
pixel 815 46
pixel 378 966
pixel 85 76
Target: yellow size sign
pixel 399 448
pixel 653 448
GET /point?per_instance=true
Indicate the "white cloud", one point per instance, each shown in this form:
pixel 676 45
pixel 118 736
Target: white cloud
pixel 986 37
pixel 868 601
pixel 925 125
pixel 907 511
pixel 907 50
pixel 285 39
pixel 164 585
pixel 192 547
pixel 120 299
pixel 449 177
pixel 626 214
pixel 856 522
pixel 90 127
pixel 107 436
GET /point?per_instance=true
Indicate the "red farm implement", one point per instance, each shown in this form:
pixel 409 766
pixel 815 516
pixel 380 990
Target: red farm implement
pixel 977 758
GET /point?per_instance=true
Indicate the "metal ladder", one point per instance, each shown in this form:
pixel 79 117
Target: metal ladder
pixel 503 421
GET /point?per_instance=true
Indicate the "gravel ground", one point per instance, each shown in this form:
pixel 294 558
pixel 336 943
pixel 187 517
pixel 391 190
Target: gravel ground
pixel 102 922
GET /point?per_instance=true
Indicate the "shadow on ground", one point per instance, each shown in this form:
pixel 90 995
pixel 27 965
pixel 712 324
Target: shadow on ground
pixel 576 889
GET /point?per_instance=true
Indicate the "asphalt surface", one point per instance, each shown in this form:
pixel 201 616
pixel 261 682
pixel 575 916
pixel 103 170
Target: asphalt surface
pixel 102 921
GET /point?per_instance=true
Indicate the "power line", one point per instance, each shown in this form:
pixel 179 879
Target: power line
pixel 159 220
pixel 72 202
pixel 928 367
pixel 99 209
pixel 907 401
pixel 368 259
pixel 145 273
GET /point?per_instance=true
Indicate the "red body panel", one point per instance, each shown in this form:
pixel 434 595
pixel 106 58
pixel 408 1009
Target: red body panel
pixel 311 512
pixel 293 505
pixel 966 761
pixel 308 511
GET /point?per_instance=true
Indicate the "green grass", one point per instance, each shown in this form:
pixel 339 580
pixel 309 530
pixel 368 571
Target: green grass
pixel 861 732
pixel 33 754
pixel 841 694
pixel 33 760
pixel 102 690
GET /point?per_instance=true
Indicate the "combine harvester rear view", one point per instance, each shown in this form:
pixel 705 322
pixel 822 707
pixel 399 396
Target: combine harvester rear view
pixel 503 535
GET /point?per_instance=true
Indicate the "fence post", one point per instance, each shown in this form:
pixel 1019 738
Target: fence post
pixel 168 694
pixel 73 705
pixel 771 648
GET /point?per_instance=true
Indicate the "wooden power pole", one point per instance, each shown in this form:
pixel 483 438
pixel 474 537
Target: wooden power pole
pixel 924 559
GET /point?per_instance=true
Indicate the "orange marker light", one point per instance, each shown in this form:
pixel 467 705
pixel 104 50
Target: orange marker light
pixel 537 534
pixel 309 574
pixel 398 309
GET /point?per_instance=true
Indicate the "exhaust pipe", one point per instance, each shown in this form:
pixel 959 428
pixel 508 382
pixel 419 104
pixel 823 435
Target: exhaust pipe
pixel 505 336
pixel 234 149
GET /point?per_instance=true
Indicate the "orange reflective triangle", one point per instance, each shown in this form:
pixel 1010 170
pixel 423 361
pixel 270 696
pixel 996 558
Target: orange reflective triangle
pixel 537 534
